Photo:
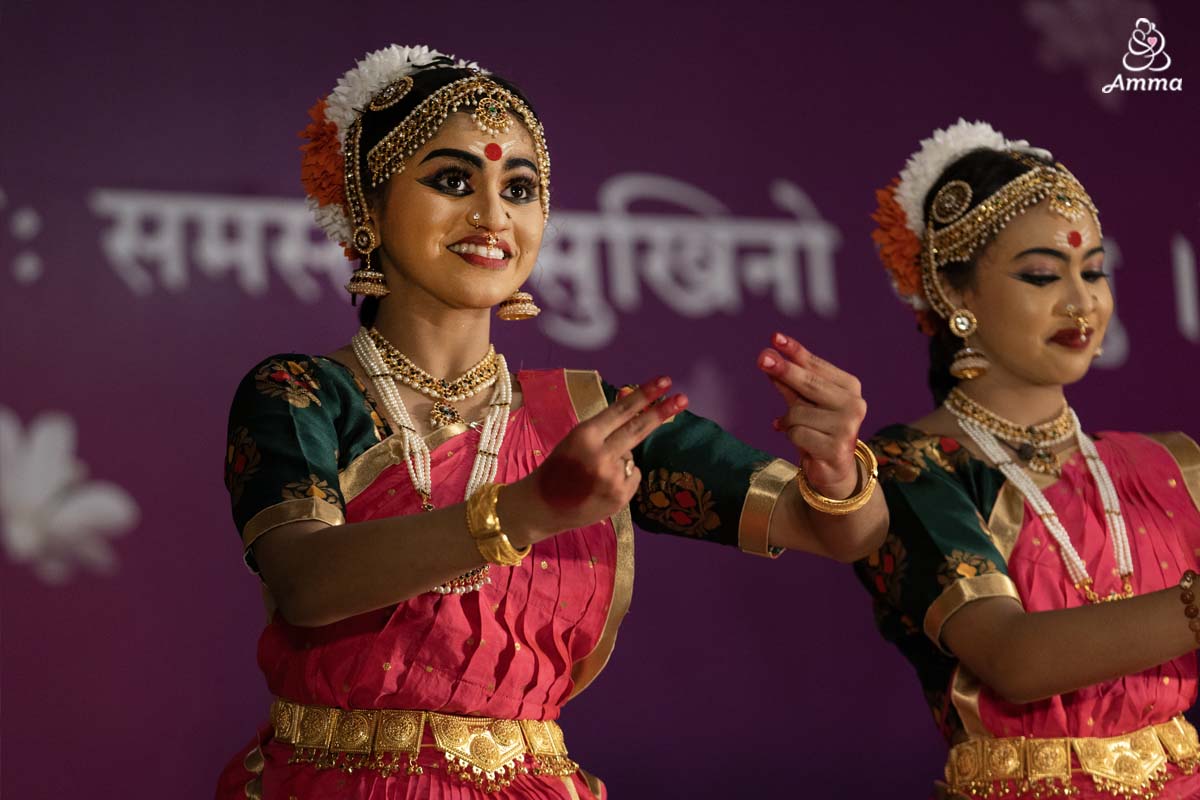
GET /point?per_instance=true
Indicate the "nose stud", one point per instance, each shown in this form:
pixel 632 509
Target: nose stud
pixel 475 218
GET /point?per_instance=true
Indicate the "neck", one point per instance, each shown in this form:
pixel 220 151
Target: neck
pixel 1015 400
pixel 443 341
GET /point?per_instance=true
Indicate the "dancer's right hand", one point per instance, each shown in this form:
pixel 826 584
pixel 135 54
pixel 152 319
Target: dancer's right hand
pixel 590 475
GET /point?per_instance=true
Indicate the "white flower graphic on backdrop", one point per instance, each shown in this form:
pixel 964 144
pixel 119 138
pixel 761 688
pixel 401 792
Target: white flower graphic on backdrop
pixel 1089 34
pixel 53 518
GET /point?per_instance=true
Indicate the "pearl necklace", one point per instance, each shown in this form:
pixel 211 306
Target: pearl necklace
pixel 444 392
pixel 416 452
pixel 1114 522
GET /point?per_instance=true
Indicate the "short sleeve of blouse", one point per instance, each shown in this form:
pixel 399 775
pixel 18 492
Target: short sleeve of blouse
pixel 699 481
pixel 939 554
pixel 281 460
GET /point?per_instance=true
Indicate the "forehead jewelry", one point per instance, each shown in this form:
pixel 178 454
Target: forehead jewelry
pixel 493 151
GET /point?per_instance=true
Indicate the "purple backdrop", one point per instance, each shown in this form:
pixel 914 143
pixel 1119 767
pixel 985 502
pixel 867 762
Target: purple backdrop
pixel 737 147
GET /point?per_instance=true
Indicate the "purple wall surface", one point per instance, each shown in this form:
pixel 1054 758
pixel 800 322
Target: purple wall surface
pixel 714 169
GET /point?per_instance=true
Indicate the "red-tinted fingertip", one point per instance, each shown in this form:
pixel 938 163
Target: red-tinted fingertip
pixel 780 340
pixel 769 360
pixel 672 406
pixel 656 388
pixel 777 423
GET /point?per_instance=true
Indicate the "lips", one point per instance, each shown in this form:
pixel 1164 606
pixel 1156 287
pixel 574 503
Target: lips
pixel 476 250
pixel 1071 338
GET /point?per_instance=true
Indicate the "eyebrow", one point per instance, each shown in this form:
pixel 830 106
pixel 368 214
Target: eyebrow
pixel 1048 251
pixel 513 163
pixel 460 155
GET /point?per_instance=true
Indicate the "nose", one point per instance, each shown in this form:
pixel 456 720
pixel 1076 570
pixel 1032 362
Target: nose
pixel 490 213
pixel 1080 298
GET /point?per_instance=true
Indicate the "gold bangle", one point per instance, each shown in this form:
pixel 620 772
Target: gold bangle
pixel 827 505
pixel 484 526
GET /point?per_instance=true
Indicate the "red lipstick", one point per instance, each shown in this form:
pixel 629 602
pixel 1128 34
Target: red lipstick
pixel 478 259
pixel 1072 338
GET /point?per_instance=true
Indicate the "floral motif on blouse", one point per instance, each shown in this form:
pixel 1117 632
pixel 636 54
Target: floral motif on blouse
pixel 291 380
pixel 312 486
pixel 904 459
pixel 679 501
pixel 241 461
pixel 886 569
pixel 960 564
pixel 369 402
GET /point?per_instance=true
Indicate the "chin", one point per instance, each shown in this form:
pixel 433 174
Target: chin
pixel 1068 368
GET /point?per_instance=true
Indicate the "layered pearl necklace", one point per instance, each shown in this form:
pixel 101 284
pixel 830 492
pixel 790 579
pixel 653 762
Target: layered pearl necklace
pixel 443 392
pixel 1114 522
pixel 1033 443
pixel 416 452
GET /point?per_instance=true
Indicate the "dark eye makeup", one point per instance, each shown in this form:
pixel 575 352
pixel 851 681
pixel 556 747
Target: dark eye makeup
pixel 456 181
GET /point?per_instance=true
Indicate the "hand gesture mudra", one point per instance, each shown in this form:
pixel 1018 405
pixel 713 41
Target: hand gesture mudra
pixel 591 475
pixel 825 411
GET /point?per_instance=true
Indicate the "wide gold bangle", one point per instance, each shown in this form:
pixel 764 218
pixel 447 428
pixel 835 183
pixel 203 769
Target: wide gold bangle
pixel 827 505
pixel 484 527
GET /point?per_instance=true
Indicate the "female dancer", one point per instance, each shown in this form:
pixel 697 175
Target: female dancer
pixel 423 646
pixel 1040 581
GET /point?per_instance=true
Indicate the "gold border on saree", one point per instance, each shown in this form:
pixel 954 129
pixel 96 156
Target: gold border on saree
pixel 1133 765
pixel 482 750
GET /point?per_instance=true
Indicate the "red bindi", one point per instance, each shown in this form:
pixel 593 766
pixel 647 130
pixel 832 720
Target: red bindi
pixel 493 151
pixel 1074 238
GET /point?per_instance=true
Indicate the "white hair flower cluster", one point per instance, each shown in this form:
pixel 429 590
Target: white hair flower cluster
pixel 373 72
pixel 939 151
pixel 322 168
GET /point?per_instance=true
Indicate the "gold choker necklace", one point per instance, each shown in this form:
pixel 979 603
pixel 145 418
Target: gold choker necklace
pixel 443 392
pixel 1032 443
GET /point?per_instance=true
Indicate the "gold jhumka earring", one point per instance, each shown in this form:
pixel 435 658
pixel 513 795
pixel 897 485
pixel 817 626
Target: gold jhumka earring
pixel 968 363
pixel 366 280
pixel 517 307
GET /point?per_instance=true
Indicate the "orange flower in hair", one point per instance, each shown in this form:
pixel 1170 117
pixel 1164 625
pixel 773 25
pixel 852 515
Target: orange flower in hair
pixel 321 167
pixel 900 251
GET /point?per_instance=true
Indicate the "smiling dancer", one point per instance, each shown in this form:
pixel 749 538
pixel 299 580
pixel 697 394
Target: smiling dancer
pixel 422 645
pixel 1039 580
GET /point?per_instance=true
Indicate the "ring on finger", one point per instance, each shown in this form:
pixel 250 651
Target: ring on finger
pixel 628 466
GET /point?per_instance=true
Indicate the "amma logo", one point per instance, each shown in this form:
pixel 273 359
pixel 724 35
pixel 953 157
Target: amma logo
pixel 1147 52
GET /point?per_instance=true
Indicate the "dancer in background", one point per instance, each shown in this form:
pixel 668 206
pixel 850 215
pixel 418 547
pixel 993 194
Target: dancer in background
pixel 449 547
pixel 1041 581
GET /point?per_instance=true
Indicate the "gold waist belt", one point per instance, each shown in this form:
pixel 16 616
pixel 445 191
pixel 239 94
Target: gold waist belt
pixel 490 753
pixel 1129 766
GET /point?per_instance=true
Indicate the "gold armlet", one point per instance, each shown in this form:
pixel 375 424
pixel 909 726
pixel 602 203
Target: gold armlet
pixel 827 505
pixel 484 527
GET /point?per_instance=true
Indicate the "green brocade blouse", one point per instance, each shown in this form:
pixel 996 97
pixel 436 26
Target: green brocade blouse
pixel 299 423
pixel 938 498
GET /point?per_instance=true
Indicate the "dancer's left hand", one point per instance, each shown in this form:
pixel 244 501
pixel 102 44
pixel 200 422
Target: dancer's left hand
pixel 825 411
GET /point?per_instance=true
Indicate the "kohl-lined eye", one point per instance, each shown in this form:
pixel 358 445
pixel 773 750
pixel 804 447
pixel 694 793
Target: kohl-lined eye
pixel 1037 278
pixel 521 190
pixel 1093 275
pixel 453 181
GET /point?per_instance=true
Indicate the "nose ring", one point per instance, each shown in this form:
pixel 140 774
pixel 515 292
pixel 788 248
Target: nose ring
pixel 476 217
